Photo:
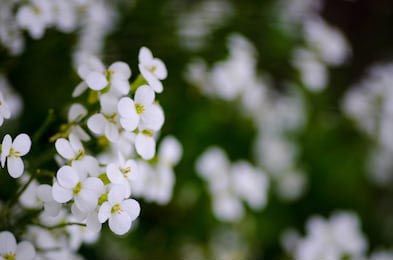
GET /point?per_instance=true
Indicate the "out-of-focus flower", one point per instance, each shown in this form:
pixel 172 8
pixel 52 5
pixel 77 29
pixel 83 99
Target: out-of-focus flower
pixel 9 249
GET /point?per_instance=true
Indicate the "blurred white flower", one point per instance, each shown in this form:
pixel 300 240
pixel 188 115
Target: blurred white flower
pixel 9 249
pixel 75 114
pixel 5 112
pixel 122 170
pixel 332 239
pixel 12 151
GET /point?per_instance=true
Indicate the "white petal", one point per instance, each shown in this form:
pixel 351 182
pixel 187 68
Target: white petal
pixel 44 192
pixel 114 174
pixel 121 70
pixel 116 195
pixel 132 208
pixel 92 223
pixel 77 213
pixel 96 124
pixel 145 55
pixel 86 200
pixel 52 208
pixel 152 118
pixel 24 251
pixel 15 166
pixel 144 95
pixel 104 212
pixel 145 146
pixel 120 223
pixel 96 81
pixel 67 177
pixel 22 144
pixel 112 132
pixel 108 104
pixel 5 148
pixel 160 70
pixel 61 194
pixel 91 165
pixel 129 124
pixel 79 89
pixel 7 243
pixel 121 85
pixel 151 79
pixel 95 185
pixel 76 112
pixel 64 148
pixel 76 144
pixel 126 108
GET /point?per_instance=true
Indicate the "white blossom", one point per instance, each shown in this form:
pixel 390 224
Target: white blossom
pixel 9 249
pixel 152 69
pixel 69 185
pixel 12 151
pixel 120 212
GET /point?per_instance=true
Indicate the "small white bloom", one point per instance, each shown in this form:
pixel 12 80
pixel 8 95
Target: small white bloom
pixel 11 153
pixel 9 249
pixel 122 170
pixel 51 207
pixel 170 151
pixel 152 69
pixel 68 185
pixel 120 212
pixel 143 112
pixel 106 123
pixel 35 17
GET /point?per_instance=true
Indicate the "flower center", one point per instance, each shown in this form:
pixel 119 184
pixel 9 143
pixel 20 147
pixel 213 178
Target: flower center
pixel 9 256
pixel 80 155
pixel 111 118
pixel 139 108
pixel 103 198
pixel 125 171
pixel 77 189
pixel 148 132
pixel 13 153
pixel 116 208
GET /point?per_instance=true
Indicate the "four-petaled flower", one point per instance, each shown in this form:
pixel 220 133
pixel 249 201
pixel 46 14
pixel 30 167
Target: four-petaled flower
pixel 10 250
pixel 152 69
pixel 11 152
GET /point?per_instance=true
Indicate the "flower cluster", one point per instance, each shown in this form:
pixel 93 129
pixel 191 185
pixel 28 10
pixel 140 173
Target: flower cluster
pixel 369 105
pixel 94 19
pixel 230 184
pixel 336 238
pixel 106 152
pixel 276 116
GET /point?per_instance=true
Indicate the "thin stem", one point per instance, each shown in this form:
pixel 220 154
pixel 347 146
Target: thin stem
pixel 139 81
pixel 49 119
pixel 61 225
pixel 20 192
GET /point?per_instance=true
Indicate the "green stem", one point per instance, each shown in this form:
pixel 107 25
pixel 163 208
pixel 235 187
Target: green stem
pixel 139 81
pixel 49 119
pixel 61 225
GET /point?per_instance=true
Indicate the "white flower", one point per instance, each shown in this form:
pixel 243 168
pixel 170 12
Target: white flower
pixel 35 17
pixel 68 185
pixel 106 122
pixel 74 151
pixel 120 212
pixel 170 151
pixel 122 170
pixel 10 250
pixel 152 69
pixel 11 153
pixel 143 112
pixel 96 77
pixel 332 239
pixel 51 207
pixel 5 112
